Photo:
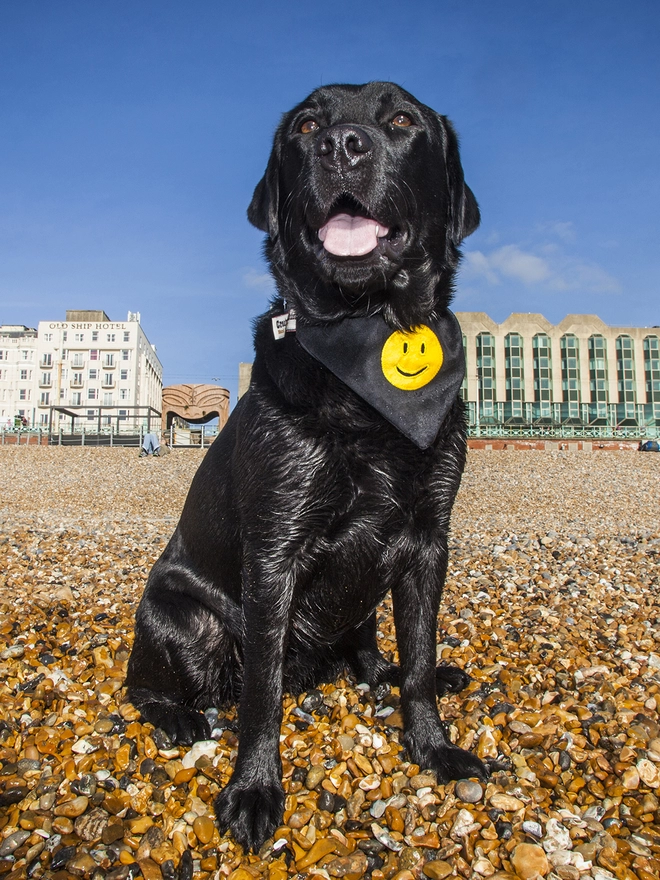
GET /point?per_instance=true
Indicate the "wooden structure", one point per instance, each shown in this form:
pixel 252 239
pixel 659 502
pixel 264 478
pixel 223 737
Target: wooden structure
pixel 196 404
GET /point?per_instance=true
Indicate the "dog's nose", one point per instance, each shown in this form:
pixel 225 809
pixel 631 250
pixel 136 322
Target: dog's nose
pixel 343 146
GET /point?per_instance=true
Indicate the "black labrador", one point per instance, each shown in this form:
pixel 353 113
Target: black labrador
pixel 312 504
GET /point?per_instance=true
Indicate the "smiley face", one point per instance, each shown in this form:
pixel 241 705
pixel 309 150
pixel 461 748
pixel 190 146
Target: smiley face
pixel 410 360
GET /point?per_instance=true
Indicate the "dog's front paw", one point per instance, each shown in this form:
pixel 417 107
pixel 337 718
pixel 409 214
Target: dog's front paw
pixel 251 813
pixel 181 724
pixel 450 680
pixel 450 762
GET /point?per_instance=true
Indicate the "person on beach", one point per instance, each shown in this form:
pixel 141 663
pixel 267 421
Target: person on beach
pixel 150 445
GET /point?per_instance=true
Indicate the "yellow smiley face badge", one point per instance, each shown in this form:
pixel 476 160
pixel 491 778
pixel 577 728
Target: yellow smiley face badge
pixel 410 360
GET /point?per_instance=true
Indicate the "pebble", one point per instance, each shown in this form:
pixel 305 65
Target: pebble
pixel 437 869
pixel 558 629
pixel 649 773
pixel 205 748
pixel 384 837
pixel 529 861
pixel 463 825
pixel 533 828
pixel 469 792
pixel 203 827
pixel 557 837
pixel 12 842
pixel 507 803
pixel 356 863
pixel 90 826
pixel 72 808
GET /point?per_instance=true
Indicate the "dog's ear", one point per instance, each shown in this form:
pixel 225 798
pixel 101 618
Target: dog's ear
pixel 464 213
pixel 263 209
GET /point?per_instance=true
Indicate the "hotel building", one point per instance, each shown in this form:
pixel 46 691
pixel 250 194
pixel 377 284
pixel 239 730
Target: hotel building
pixel 96 373
pixel 580 372
pixel 18 366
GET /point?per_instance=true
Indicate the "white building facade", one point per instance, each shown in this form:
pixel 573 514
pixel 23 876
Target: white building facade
pixel 18 367
pixel 94 373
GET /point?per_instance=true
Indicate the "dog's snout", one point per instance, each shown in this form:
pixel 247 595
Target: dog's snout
pixel 343 146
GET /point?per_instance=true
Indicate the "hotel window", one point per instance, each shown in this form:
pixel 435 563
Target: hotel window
pixel 23 394
pixel 64 336
pixel 111 337
pixel 94 354
pixel 542 356
pixel 123 394
pixel 486 372
pixel 598 383
pixel 109 360
pixel 652 369
pixel 107 399
pixel 76 398
pixel 570 376
pixel 108 380
pixel 93 373
pixel 127 335
pixel 79 337
pixel 125 354
pixel 24 374
pixel 25 355
pixel 45 398
pixel 48 337
pixel 513 365
pixel 625 369
pixel 92 393
pixel 47 360
pixel 95 335
pixel 78 359
pixel 514 383
pixel 77 379
pixel 570 368
pixel 123 374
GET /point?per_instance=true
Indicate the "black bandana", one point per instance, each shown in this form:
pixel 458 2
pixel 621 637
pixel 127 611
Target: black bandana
pixel 412 379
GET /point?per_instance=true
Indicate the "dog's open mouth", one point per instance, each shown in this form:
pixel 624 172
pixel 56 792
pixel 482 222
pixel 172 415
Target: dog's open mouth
pixel 346 235
pixel 351 231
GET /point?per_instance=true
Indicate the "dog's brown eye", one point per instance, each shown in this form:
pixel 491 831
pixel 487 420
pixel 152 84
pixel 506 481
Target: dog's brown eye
pixel 308 126
pixel 402 121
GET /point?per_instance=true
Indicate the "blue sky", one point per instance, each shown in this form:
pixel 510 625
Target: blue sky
pixel 133 134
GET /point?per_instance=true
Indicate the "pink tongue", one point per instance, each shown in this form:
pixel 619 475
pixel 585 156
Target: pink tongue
pixel 347 236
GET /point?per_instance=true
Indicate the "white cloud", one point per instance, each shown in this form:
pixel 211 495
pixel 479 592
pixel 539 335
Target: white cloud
pixel 258 280
pixel 555 270
pixel 560 229
pixel 512 262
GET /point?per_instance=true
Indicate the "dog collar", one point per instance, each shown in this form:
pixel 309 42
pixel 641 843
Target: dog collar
pixel 410 378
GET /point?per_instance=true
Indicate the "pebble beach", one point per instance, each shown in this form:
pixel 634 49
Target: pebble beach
pixel 551 605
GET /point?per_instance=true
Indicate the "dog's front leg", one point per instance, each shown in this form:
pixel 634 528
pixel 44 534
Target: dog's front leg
pixel 416 600
pixel 252 803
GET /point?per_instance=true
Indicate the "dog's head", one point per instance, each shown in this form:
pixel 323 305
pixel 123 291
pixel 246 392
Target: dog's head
pixel 365 205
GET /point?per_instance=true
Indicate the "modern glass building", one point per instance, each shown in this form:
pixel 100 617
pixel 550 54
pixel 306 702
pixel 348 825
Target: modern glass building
pixel 580 377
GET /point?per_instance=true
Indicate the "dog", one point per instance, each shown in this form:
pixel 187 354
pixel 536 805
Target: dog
pixel 332 483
